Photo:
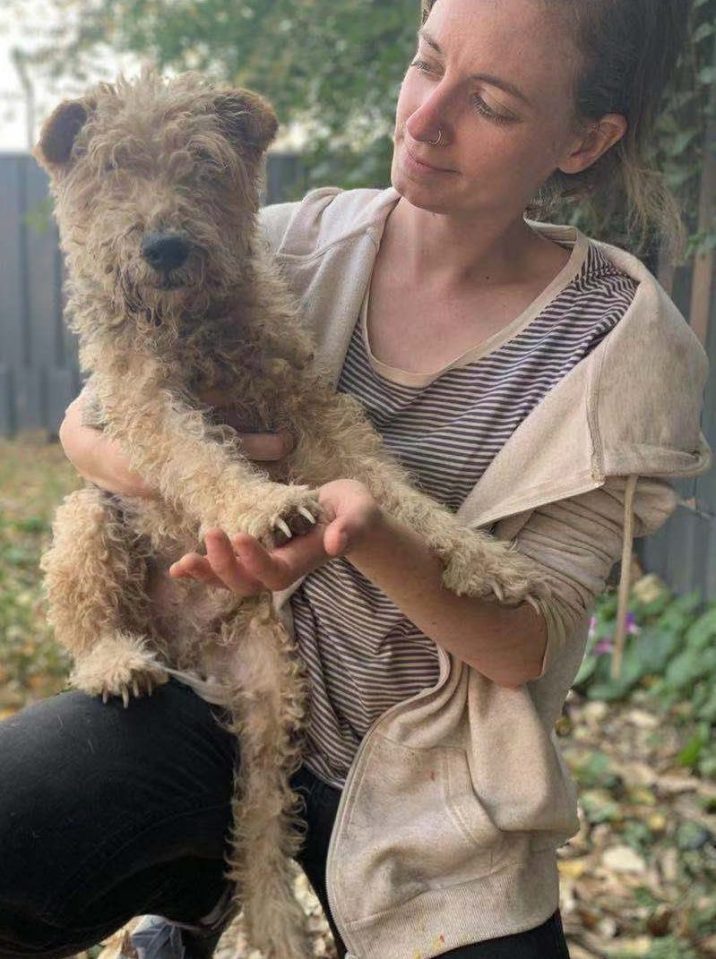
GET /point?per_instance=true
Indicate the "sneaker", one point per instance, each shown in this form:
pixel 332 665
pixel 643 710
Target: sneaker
pixel 158 938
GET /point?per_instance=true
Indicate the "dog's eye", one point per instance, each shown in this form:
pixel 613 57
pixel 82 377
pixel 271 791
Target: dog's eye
pixel 206 161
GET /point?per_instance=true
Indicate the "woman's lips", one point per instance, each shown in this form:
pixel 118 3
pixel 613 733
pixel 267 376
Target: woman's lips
pixel 420 166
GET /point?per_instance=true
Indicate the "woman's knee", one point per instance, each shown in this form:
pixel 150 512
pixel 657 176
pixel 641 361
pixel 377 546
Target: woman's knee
pixel 79 774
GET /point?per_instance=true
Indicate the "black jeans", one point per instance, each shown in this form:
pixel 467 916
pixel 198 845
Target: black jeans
pixel 107 813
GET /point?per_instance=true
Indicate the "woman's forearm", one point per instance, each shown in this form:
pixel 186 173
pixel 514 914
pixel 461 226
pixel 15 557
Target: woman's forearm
pixel 506 644
pixel 97 458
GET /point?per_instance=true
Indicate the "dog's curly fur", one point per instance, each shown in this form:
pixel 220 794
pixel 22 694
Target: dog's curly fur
pixel 143 159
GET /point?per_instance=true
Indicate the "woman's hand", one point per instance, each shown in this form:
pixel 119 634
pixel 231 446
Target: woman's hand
pixel 103 462
pixel 97 458
pixel 240 563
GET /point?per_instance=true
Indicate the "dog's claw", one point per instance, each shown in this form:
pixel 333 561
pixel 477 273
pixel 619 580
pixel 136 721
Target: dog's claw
pixel 534 604
pixel 135 688
pixel 498 591
pixel 125 696
pixel 309 516
pixel 283 526
pixel 105 696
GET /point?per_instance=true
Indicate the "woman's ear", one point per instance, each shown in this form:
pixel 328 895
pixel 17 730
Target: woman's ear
pixel 601 135
pixel 54 148
pixel 246 119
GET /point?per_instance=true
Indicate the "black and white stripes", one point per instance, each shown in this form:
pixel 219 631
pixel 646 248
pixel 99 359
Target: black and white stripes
pixel 362 654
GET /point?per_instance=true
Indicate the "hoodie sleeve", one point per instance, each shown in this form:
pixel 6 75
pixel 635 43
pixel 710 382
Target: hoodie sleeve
pixel 577 541
pixel 273 222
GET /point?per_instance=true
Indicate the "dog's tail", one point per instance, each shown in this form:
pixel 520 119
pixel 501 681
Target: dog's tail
pixel 268 830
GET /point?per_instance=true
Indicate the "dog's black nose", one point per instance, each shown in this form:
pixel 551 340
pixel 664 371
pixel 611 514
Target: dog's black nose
pixel 164 251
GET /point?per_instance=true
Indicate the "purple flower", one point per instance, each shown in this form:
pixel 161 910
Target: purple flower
pixel 603 646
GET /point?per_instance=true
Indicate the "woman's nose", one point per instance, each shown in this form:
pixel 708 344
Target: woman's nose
pixel 431 117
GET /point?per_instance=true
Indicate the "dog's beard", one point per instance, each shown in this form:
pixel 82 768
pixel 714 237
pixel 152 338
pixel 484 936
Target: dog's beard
pixel 153 301
pixel 140 288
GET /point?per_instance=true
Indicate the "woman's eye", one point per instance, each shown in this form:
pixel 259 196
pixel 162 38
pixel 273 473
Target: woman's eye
pixel 483 108
pixel 486 110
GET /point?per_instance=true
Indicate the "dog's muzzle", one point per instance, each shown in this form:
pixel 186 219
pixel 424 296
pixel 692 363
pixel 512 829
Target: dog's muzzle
pixel 165 251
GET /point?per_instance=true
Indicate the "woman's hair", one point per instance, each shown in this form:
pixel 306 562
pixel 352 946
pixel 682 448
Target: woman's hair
pixel 628 50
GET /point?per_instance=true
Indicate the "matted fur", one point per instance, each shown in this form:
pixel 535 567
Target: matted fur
pixel 147 158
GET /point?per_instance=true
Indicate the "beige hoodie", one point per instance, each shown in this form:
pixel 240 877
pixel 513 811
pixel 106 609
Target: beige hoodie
pixel 458 797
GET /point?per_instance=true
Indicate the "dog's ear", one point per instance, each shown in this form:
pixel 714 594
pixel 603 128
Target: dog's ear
pixel 247 119
pixel 58 134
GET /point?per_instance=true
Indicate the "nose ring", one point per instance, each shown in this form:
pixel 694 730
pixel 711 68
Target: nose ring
pixel 437 140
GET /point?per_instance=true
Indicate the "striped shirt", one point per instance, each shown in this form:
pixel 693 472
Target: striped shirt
pixel 362 654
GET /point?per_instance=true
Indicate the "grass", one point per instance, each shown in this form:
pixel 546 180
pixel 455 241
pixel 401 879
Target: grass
pixel 34 478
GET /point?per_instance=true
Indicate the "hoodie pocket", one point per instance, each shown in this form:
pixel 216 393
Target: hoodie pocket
pixel 411 825
pixel 465 806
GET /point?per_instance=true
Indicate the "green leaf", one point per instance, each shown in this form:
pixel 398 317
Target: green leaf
pixel 655 646
pixel 690 666
pixel 702 32
pixel 689 755
pixel 702 633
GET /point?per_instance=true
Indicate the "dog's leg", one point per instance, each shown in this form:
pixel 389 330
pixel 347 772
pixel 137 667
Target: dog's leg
pixel 197 467
pixel 95 582
pixel 342 443
pixel 268 697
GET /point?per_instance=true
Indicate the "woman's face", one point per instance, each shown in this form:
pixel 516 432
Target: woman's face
pixel 496 78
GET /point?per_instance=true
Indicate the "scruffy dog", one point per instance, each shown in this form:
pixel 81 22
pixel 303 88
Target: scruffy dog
pixel 173 297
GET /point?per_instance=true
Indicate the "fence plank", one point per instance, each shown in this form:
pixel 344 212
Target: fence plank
pixel 12 301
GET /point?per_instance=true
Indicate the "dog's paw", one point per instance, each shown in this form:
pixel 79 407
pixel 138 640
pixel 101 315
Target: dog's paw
pixel 121 672
pixel 491 569
pixel 286 512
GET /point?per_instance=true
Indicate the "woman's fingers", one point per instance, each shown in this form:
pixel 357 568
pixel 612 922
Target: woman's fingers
pixel 219 568
pixel 261 447
pixel 266 447
pixel 194 566
pixel 246 567
pixel 336 539
pixel 227 566
pixel 280 567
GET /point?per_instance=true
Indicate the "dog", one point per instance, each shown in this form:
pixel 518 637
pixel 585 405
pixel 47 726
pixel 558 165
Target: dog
pixel 174 297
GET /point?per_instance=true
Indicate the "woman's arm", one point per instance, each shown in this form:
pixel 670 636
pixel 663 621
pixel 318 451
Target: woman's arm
pixel 505 644
pixel 102 461
pixel 97 458
pixel 575 542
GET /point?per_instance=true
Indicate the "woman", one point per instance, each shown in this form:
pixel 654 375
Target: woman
pixel 541 385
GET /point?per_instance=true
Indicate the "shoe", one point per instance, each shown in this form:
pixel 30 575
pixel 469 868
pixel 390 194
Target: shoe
pixel 158 938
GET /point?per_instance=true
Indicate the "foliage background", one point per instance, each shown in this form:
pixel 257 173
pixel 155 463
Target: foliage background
pixel 335 67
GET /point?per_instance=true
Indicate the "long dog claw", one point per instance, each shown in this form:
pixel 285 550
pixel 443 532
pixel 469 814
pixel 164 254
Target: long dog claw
pixel 534 604
pixel 498 591
pixel 308 515
pixel 284 527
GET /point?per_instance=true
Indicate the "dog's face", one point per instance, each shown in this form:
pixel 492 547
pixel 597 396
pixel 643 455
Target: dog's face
pixel 156 186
